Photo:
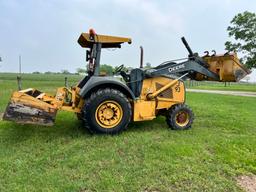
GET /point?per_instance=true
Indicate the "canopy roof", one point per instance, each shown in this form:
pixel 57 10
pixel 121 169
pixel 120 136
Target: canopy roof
pixel 107 41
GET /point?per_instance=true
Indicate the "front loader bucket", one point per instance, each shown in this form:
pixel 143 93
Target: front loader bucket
pixel 227 66
pixel 25 107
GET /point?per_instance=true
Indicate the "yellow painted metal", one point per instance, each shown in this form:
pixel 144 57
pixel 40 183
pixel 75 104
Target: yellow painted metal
pixel 34 107
pixel 22 97
pixel 63 95
pixel 26 109
pixel 157 92
pixel 164 93
pixel 109 114
pixel 107 41
pixel 185 118
pixel 70 109
pixel 45 101
pixel 144 110
pixel 227 66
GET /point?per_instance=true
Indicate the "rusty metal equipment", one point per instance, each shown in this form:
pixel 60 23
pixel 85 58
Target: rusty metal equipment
pixel 107 105
pixel 227 66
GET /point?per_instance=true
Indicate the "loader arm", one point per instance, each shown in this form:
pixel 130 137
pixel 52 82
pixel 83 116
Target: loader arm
pixel 191 67
pixel 226 67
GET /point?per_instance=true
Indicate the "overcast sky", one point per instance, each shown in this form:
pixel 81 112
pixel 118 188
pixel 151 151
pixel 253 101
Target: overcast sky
pixel 45 32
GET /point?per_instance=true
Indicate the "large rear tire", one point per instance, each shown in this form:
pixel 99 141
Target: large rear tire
pixel 107 111
pixel 179 117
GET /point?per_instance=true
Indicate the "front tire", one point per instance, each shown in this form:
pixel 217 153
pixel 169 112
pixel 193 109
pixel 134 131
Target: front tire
pixel 179 117
pixel 107 111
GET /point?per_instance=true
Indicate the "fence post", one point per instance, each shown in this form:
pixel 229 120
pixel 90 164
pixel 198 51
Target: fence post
pixel 19 82
pixel 66 82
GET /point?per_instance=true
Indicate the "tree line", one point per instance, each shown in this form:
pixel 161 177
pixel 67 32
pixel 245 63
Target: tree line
pixel 104 69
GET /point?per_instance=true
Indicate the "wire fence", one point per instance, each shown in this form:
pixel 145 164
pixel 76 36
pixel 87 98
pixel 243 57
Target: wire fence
pixel 195 84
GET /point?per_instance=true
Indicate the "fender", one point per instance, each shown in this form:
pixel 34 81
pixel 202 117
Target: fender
pixel 111 82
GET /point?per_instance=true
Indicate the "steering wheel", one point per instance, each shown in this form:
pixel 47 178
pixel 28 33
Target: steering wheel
pixel 119 69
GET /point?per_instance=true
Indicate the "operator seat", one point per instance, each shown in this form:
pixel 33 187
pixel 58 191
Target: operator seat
pixel 135 81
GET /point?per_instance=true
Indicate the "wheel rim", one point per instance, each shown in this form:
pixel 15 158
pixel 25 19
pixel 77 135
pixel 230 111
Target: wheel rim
pixel 182 118
pixel 109 114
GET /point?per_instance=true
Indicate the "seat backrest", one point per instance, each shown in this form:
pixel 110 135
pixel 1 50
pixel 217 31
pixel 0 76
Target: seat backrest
pixel 136 79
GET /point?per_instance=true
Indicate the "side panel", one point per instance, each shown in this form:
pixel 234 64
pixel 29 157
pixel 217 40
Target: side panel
pixel 145 109
pixel 174 94
pixel 95 81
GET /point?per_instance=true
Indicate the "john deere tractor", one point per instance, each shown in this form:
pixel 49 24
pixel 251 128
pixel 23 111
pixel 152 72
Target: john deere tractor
pixel 106 104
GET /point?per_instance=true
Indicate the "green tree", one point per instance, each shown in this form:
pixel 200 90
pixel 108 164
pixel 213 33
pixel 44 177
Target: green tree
pixel 108 69
pixel 125 69
pixel 48 72
pixel 242 30
pixel 80 70
pixel 64 71
pixel 148 65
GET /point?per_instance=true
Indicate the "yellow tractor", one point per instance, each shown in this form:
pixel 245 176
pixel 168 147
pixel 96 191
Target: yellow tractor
pixel 107 104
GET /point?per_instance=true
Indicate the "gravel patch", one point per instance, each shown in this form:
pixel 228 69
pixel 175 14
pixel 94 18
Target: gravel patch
pixel 248 183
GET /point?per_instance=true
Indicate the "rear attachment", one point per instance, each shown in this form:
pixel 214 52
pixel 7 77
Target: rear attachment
pixel 27 107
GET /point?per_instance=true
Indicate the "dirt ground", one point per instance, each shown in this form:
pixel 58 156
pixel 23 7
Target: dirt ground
pixel 248 183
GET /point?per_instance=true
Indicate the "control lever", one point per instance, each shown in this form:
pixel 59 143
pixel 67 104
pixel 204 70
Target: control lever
pixel 187 46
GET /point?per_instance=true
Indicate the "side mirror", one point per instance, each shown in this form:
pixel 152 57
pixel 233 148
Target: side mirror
pixel 88 55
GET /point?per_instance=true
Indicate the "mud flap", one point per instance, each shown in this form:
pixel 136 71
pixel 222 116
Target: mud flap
pixel 26 109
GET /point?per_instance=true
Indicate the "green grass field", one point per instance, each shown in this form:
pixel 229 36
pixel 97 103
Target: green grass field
pixel 251 87
pixel 146 157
